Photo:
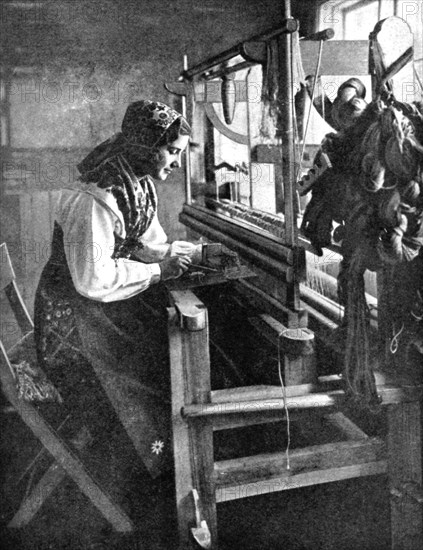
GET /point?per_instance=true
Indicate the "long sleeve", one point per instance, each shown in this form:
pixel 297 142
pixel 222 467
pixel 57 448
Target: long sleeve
pixel 89 225
pixel 156 252
pixel 155 246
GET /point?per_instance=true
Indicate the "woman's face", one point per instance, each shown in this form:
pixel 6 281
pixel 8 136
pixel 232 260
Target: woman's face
pixel 169 158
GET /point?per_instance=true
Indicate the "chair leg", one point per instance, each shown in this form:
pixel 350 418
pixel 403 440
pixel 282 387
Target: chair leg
pixel 45 487
pixel 66 459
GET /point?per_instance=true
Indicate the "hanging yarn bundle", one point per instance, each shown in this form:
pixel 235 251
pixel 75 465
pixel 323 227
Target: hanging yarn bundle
pixel 374 190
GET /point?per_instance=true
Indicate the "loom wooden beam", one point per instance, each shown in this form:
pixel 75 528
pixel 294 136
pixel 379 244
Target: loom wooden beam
pixel 251 237
pixel 261 300
pixel 389 395
pixel 286 186
pixel 289 25
pixel 405 475
pixel 258 392
pixel 312 465
pixel 193 443
pixel 330 455
pixel 268 263
pixel 345 426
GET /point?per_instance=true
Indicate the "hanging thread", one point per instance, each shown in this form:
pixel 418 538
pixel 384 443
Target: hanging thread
pixel 316 76
pixel 288 427
pixel 393 347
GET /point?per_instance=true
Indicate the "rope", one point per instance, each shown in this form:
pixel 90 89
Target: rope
pixel 316 74
pixel 288 425
pixel 393 346
pixel 416 74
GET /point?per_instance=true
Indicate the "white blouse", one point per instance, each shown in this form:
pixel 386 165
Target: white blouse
pixel 89 219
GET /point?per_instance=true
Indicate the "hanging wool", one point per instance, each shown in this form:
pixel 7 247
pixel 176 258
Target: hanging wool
pixel 375 191
pixel 358 374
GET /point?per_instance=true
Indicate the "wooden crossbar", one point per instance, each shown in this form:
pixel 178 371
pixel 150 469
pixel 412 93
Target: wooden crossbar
pixel 316 477
pixel 389 396
pixel 263 468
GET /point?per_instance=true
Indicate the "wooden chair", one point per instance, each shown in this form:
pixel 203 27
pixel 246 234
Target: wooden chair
pixel 66 460
pixel 198 411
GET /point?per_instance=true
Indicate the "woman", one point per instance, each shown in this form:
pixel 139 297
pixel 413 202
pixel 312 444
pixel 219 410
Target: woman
pixel 100 304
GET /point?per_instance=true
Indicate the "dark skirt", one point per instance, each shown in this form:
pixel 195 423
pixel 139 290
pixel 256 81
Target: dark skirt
pixel 110 360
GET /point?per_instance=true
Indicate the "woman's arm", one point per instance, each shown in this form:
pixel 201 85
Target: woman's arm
pixel 157 249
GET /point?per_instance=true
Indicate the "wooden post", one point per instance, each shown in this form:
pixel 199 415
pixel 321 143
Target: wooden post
pixel 297 348
pixel 295 345
pixel 405 474
pixel 193 442
pixel 286 100
pixel 286 126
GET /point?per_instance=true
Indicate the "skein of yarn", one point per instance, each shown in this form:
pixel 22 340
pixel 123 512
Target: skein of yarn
pixel 377 161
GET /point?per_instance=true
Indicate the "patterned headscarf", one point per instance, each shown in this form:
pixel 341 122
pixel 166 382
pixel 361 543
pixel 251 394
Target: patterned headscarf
pixel 144 124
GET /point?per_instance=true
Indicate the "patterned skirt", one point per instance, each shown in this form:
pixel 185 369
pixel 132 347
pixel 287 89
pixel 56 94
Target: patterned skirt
pixel 109 361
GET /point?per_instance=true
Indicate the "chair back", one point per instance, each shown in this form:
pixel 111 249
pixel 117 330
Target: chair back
pixel 24 349
pixel 9 287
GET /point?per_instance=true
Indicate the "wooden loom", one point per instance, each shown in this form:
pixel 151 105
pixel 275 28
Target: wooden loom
pixel 281 312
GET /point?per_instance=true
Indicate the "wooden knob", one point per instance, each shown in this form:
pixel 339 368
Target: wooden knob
pixel 228 98
pixel 297 341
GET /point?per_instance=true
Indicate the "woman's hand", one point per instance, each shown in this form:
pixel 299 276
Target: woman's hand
pixel 173 267
pixel 184 248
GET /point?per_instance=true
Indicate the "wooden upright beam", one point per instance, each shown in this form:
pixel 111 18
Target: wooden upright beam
pixel 193 443
pixel 405 472
pixel 295 347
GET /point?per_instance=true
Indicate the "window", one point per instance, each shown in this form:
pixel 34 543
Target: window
pixel 355 19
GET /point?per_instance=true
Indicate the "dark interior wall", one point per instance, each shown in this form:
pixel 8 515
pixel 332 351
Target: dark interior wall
pixel 305 12
pixel 77 64
pixel 70 67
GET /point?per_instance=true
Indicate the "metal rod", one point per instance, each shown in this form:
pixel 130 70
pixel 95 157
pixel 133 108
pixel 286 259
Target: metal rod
pixel 188 195
pixel 250 166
